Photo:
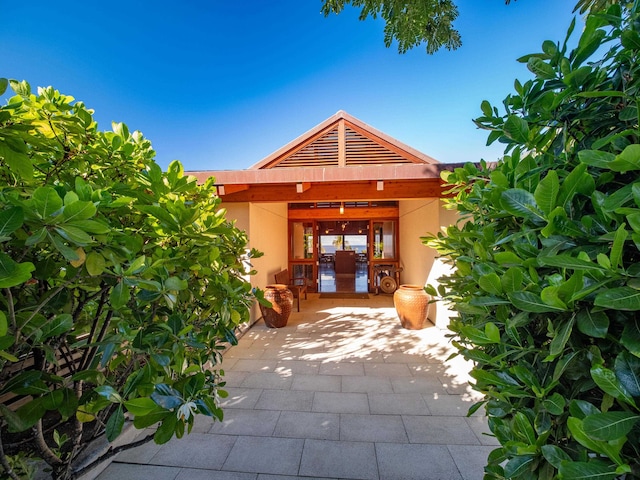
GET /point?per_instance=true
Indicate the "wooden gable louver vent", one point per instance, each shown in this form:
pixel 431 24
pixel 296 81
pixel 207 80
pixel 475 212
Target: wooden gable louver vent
pixel 322 152
pixel 361 150
pixel 342 141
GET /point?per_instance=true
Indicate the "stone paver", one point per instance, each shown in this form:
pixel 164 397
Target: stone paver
pixel 341 392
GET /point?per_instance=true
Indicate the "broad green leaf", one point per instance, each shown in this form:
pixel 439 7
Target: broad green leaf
pixel 594 324
pixel 11 220
pixel 619 198
pixel 628 160
pixel 518 465
pixel 79 211
pixel 12 273
pixel 4 325
pixel 74 235
pixel 551 296
pixel 546 193
pixel 627 368
pixel 115 423
pixel 567 261
pixel 507 258
pixel 18 162
pixel 596 158
pixel 90 226
pixel 555 404
pixel 4 83
pixel 530 302
pixel 630 39
pixel 554 455
pixel 166 430
pixel 621 298
pixel 58 325
pixel 606 379
pixel 140 406
pixel 618 246
pixel 109 393
pixel 17 422
pixel 578 181
pixel 119 295
pixel 516 129
pixel 95 264
pixel 540 68
pixel 560 339
pixel 631 336
pixel 67 252
pixel 46 201
pixel 520 203
pixel 609 425
pixel 576 428
pixel 490 283
pixel 571 470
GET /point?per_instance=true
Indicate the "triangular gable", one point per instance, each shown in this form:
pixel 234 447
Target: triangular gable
pixel 342 141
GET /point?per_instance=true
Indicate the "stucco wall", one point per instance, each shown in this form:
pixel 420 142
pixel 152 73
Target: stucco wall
pixel 266 227
pixel 417 219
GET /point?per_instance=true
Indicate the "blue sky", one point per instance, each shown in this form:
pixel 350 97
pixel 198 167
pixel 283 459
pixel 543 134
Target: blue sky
pixel 221 85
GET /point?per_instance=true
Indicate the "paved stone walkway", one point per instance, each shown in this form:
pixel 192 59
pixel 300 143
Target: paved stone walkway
pixel 341 392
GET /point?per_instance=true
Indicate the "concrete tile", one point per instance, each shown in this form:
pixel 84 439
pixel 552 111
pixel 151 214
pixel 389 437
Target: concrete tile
pixel 366 384
pixel 298 400
pixel 287 477
pixel 253 365
pixel 372 428
pixel 318 383
pixel 301 367
pixel 141 454
pixel 322 426
pixel 470 460
pixel 346 460
pixel 241 397
pixel 402 357
pixel 425 385
pixel 127 471
pixel 334 368
pixel 439 430
pixel 448 405
pixel 271 380
pixel 338 402
pixel 234 378
pixel 387 370
pixel 239 421
pixel 398 403
pixel 415 462
pixel 479 425
pixel 195 474
pixel 196 451
pixel 238 353
pixel 265 455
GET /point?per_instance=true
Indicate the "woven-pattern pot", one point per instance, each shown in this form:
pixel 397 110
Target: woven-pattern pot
pixel 281 299
pixel 412 306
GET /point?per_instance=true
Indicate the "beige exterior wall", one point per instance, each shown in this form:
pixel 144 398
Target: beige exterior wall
pixel 417 219
pixel 266 227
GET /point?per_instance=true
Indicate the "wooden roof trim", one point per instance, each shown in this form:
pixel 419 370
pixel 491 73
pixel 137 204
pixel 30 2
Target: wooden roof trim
pixel 298 143
pixel 406 171
pixel 325 127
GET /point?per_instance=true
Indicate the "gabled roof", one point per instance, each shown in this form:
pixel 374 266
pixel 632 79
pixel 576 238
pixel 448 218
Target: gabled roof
pixel 342 141
pixel 341 159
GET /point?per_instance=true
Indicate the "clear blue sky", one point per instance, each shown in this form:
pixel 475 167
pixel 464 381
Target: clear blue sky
pixel 222 84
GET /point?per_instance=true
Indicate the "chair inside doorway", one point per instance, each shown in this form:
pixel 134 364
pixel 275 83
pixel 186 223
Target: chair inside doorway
pixel 343 256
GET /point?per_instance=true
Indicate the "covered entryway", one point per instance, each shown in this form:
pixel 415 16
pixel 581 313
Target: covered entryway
pixel 342 172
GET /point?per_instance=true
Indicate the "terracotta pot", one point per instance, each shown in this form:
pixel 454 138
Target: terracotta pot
pixel 282 300
pixel 412 305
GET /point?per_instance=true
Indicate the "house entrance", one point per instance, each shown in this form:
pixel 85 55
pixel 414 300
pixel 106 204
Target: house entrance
pixel 336 250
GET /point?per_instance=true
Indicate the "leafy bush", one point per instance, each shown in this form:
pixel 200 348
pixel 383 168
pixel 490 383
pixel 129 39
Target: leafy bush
pixel 105 258
pixel 546 283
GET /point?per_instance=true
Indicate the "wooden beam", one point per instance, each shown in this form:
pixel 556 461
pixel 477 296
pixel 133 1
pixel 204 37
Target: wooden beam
pixel 338 191
pixel 302 187
pixel 342 144
pixel 232 188
pixel 349 213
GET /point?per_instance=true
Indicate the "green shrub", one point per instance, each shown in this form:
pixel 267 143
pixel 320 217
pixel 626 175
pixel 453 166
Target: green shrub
pixel 546 284
pixel 104 254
